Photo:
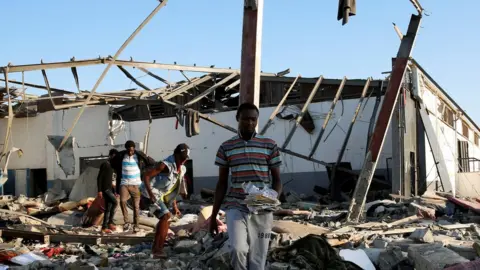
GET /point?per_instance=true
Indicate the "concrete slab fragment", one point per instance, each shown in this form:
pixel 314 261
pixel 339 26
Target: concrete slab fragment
pixel 65 157
pixel 433 256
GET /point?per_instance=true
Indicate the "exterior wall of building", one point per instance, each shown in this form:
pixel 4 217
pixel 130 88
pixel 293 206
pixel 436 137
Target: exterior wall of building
pixel 91 139
pixel 299 174
pixel 30 134
pixel 448 124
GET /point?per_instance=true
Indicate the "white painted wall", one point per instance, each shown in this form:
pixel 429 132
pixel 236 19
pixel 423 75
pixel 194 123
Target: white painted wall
pixel 91 138
pixel 447 137
pixel 164 138
pixel 30 134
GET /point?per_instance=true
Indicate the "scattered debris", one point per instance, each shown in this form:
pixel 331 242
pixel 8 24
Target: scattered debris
pixel 308 233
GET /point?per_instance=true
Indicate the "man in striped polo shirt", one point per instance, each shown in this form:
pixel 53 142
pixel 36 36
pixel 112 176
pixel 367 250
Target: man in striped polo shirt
pixel 250 158
pixel 130 165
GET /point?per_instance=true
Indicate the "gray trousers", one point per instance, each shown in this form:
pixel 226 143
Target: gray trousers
pixel 249 237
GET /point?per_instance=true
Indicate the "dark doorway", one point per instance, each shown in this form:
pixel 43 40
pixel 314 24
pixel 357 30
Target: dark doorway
pixel 463 156
pixel 38 182
pixel 95 162
pixel 189 177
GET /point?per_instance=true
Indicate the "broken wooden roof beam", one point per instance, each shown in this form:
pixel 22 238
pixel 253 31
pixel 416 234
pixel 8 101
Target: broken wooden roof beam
pixel 211 89
pixel 327 118
pixel 63 91
pixel 107 68
pixel 302 112
pixel 133 79
pixel 279 105
pixel 184 88
pixel 136 64
pixel 155 76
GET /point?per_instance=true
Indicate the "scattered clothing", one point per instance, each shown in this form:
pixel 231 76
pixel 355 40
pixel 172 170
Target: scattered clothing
pixel 312 252
pixel 180 115
pixel 249 238
pixel 127 191
pixel 192 123
pixel 249 162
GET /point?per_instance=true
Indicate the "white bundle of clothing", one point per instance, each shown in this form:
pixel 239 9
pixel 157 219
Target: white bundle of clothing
pixel 260 199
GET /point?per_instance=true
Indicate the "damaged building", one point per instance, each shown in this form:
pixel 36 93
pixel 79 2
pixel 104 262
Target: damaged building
pixel 322 133
pixel 375 171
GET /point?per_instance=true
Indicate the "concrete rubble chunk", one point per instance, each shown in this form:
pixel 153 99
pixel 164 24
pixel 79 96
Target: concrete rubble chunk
pixel 358 257
pixel 465 266
pixel 185 246
pixel 422 235
pixel 221 259
pixel 391 258
pixel 373 254
pixel 380 243
pixel 279 266
pixel 433 256
pixel 468 252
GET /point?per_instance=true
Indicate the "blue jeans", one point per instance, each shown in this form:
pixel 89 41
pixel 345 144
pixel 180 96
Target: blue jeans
pixel 157 209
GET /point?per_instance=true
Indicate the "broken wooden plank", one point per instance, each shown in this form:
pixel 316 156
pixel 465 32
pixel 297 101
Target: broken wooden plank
pixel 105 71
pixel 383 122
pixel 456 226
pixel 403 221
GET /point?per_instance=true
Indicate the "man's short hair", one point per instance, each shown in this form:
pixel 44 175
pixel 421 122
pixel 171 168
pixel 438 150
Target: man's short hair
pixel 245 107
pixel 112 152
pixel 180 148
pixel 129 144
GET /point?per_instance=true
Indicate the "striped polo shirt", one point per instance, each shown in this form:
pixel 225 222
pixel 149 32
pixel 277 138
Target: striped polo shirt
pixel 130 171
pixel 249 162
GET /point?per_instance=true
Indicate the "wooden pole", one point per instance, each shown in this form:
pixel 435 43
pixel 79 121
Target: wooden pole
pixel 251 52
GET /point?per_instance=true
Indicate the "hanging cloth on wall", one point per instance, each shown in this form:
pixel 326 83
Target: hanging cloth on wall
pixel 180 115
pixel 192 125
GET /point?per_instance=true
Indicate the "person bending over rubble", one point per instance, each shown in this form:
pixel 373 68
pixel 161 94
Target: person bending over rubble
pixel 162 185
pixel 105 179
pixel 250 158
pixel 129 166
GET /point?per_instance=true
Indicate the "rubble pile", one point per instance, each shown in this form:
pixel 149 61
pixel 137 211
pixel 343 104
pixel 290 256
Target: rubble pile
pixel 433 231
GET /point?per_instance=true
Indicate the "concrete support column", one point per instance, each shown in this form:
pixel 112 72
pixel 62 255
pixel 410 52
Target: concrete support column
pixel 251 52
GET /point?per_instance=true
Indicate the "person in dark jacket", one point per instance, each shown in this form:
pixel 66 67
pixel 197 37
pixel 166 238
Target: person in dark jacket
pixel 129 166
pixel 105 179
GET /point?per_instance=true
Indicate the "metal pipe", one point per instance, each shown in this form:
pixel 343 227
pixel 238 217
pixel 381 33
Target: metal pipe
pixel 302 113
pixel 327 118
pixel 274 113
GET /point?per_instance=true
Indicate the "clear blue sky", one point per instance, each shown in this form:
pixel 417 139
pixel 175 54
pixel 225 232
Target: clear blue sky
pixel 302 35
